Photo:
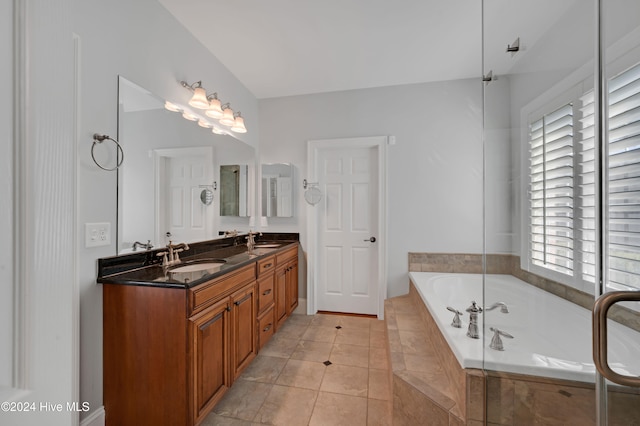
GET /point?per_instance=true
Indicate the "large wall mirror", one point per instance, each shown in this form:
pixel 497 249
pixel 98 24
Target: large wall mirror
pixel 168 163
pixel 277 190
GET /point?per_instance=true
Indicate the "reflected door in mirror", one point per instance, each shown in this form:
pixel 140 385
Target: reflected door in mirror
pixel 277 190
pixel 234 189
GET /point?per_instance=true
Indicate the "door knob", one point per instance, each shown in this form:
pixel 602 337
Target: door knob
pixel 371 240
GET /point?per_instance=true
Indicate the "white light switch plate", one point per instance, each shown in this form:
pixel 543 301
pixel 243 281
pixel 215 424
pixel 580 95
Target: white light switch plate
pixel 97 234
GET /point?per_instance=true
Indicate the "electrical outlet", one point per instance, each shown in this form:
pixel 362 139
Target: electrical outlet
pixel 97 234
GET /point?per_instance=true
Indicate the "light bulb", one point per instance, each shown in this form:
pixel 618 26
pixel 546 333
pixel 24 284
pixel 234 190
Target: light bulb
pixel 199 99
pixel 227 117
pixel 214 110
pixel 189 116
pixel 238 125
pixel 172 107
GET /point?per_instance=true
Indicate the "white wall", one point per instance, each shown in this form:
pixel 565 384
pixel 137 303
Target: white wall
pixel 435 168
pixel 143 42
pixel 6 185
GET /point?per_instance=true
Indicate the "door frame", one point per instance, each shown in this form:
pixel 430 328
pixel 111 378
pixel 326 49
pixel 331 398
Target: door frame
pixel 314 147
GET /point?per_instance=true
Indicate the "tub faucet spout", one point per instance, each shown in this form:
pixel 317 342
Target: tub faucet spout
pixel 474 310
pixel 503 307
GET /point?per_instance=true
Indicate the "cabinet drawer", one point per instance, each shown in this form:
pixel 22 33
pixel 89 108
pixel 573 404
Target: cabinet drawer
pixel 266 265
pixel 265 292
pixel 286 255
pixel 207 293
pixel 266 327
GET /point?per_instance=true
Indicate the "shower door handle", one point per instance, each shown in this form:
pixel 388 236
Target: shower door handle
pixel 600 309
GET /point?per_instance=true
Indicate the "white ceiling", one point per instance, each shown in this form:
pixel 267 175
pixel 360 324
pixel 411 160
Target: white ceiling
pixel 292 47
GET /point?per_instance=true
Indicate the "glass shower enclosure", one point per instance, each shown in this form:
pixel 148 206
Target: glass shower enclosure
pixel 561 85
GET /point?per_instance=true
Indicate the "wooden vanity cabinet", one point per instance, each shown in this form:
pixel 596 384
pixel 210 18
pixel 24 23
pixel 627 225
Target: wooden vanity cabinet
pixel 170 354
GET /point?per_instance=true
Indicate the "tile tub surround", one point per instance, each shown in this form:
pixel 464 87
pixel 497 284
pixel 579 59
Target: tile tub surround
pixel 429 387
pixel 515 399
pixel 288 383
pixel 508 264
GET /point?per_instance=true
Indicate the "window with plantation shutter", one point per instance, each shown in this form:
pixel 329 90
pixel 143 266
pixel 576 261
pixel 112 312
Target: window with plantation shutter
pixel 623 181
pixel 551 191
pixel 562 187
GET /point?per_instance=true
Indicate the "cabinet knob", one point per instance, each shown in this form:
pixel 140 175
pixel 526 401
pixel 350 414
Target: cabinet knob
pixel 267 327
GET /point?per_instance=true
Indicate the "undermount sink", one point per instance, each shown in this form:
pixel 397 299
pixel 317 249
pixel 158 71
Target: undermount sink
pixel 267 245
pixel 260 250
pixel 197 265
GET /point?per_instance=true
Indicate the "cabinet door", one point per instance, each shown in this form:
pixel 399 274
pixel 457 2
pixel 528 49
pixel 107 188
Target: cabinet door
pixel 209 332
pixel 281 295
pixel 292 286
pixel 244 332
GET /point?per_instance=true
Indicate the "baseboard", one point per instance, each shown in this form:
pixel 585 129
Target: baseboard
pixel 302 307
pixel 94 419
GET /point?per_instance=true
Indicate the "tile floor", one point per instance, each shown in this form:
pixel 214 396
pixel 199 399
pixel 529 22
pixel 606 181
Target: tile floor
pixel 289 384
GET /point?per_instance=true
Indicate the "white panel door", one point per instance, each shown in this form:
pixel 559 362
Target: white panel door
pixel 188 219
pixel 347 221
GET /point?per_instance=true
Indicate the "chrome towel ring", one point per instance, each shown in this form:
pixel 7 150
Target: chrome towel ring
pixel 97 138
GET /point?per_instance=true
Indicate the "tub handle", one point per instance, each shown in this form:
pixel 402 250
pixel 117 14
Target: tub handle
pixel 600 309
pixel 496 341
pixel 456 319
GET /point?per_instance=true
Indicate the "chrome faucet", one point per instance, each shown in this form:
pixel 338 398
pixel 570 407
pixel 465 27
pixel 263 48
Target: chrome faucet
pixel 474 310
pixel 251 242
pixel 171 257
pixel 147 246
pixel 502 305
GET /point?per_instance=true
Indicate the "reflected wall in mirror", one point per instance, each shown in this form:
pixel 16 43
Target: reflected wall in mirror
pixel 234 191
pixel 277 190
pixel 169 161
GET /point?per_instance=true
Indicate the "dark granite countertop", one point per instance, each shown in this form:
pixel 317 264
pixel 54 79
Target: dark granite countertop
pixel 145 268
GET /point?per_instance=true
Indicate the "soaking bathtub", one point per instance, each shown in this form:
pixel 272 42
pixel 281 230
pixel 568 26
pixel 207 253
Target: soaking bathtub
pixel 552 336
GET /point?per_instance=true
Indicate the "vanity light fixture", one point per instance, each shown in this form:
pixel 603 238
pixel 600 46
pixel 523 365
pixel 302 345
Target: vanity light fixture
pixel 199 98
pixel 227 115
pixel 238 124
pixel 172 107
pixel 215 109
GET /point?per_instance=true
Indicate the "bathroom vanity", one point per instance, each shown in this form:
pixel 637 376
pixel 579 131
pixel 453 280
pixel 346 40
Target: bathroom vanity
pixel 174 342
